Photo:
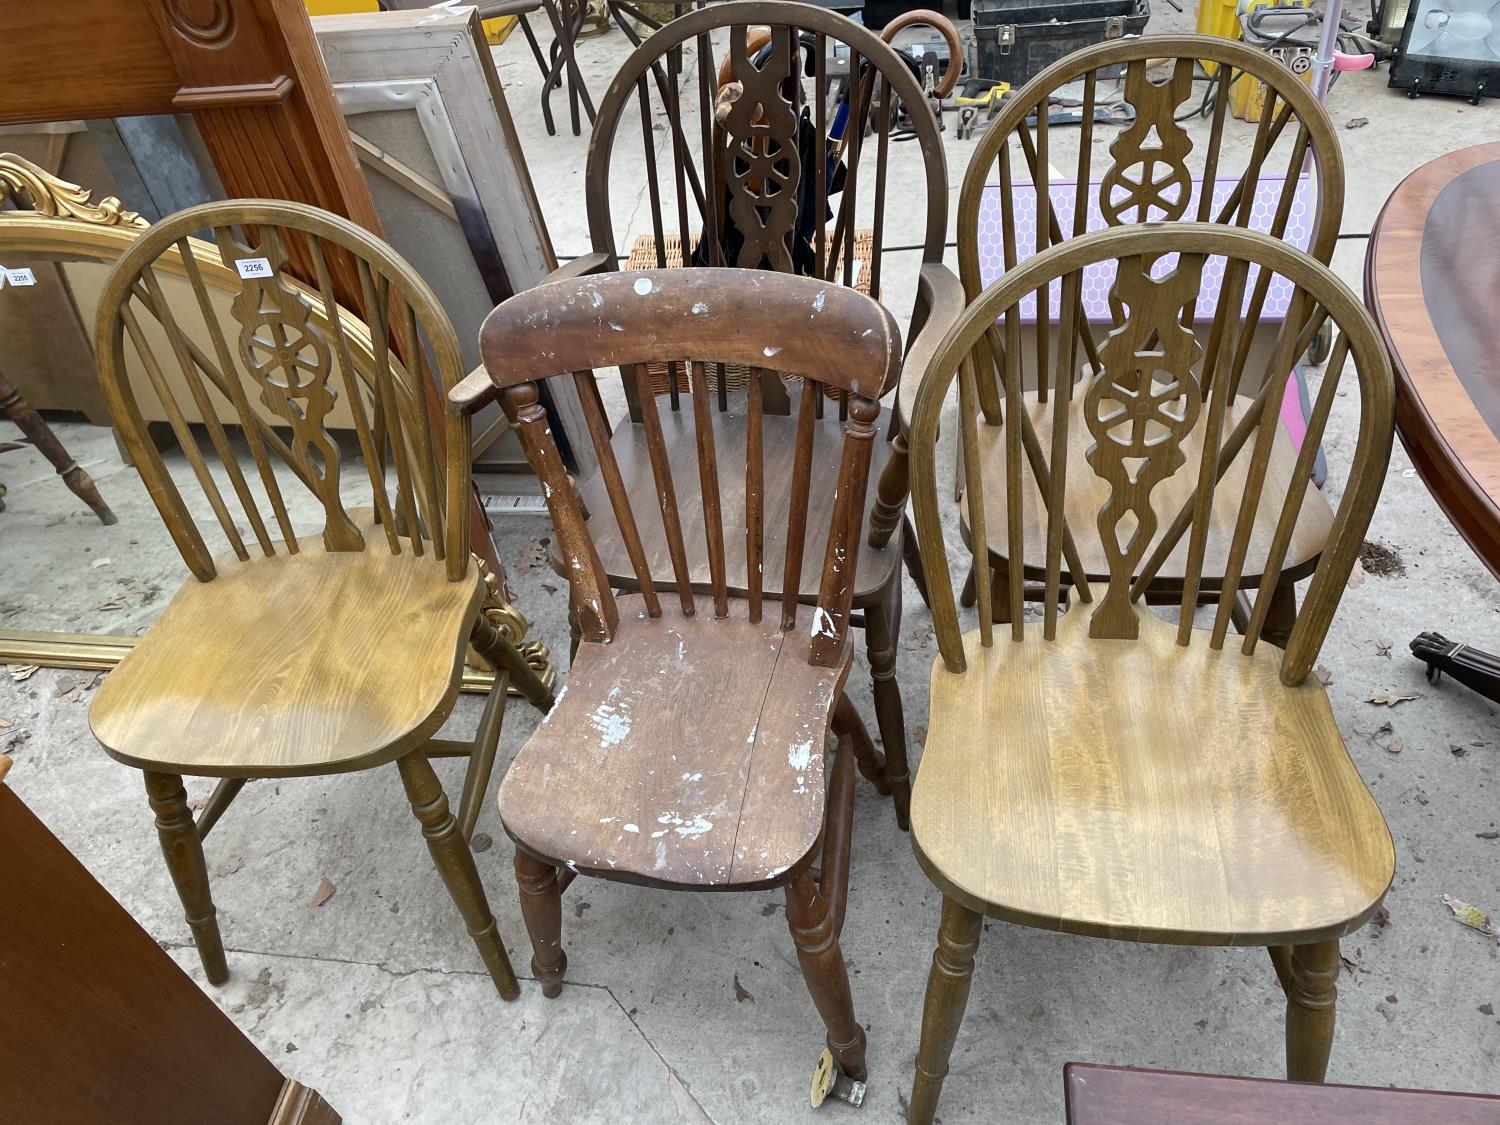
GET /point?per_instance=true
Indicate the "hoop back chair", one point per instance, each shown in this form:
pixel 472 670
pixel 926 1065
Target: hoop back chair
pixel 332 648
pixel 1104 771
pixel 687 750
pixel 1152 169
pixel 740 192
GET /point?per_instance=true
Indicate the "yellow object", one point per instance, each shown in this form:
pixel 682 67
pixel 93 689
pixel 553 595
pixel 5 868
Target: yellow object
pixel 340 7
pixel 1222 18
pixel 1247 97
pixel 497 30
pixel 988 98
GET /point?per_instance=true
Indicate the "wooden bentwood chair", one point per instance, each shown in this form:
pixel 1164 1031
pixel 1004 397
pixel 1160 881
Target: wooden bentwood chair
pixel 688 748
pixel 338 651
pixel 1153 170
pixel 1106 772
pixel 739 193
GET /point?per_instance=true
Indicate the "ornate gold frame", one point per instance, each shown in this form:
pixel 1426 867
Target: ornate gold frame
pixel 60 222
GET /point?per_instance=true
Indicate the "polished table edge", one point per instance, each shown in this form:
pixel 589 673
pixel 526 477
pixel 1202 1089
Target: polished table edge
pixel 1468 505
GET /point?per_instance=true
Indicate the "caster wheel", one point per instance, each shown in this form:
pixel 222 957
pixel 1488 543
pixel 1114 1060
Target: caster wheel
pixel 830 1081
pixel 1321 346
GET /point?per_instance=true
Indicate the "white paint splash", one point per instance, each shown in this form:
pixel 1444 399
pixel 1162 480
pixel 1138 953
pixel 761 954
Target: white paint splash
pixel 770 350
pixel 632 828
pixel 611 719
pixel 692 777
pixel 699 308
pixel 614 327
pixel 643 285
pixel 822 623
pixel 799 757
pixel 697 826
pixel 820 300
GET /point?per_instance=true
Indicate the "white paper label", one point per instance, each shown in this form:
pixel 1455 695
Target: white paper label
pixel 20 277
pixel 253 267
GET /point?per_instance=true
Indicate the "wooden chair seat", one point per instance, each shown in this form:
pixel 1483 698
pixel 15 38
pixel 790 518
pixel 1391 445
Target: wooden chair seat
pixel 1087 493
pixel 876 568
pixel 687 752
pixel 1145 791
pixel 318 662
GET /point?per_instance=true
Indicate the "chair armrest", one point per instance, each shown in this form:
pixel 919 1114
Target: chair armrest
pixel 595 261
pixel 941 295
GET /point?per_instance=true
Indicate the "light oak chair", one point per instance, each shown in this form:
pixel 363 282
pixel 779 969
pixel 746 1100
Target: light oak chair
pixel 688 748
pixel 732 183
pixel 341 649
pixel 1105 771
pixel 1151 170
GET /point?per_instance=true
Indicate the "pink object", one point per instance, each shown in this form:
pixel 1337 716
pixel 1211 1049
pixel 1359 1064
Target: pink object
pixel 1098 278
pixel 1342 61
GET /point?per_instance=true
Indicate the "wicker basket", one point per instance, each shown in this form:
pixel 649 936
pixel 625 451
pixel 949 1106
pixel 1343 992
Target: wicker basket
pixel 736 376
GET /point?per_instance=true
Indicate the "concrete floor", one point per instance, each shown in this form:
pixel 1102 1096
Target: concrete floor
pixel 691 1007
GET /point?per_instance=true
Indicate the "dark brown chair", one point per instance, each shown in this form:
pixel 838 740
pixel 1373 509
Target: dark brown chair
pixel 689 748
pixel 1147 169
pixel 735 192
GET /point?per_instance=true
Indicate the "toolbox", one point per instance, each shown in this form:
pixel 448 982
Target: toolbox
pixel 1015 40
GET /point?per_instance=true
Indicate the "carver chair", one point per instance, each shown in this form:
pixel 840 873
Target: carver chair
pixel 1041 174
pixel 735 191
pixel 688 749
pixel 335 648
pixel 1105 771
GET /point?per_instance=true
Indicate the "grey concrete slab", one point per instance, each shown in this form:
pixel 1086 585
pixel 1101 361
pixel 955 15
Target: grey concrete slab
pixel 384 997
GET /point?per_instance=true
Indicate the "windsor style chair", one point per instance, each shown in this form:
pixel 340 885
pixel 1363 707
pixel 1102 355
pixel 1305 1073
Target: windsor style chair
pixel 1154 169
pixel 688 749
pixel 289 656
pixel 739 193
pixel 1104 771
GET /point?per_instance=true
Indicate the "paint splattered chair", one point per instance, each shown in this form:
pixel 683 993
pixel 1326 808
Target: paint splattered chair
pixel 688 748
pixel 1105 771
pixel 287 656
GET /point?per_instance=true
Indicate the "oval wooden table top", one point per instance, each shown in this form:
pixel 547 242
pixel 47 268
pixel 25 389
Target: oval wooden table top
pixel 1431 279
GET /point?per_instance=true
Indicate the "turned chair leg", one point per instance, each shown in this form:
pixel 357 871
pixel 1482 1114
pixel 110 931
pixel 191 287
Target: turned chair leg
pixel 455 863
pixel 882 627
pixel 812 926
pixel 943 1008
pixel 1281 615
pixel 1310 997
pixel 847 721
pixel 183 849
pixel 541 906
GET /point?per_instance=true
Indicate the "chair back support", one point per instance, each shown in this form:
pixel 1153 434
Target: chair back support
pixel 1149 169
pixel 742 167
pixel 1164 383
pixel 826 335
pixel 281 356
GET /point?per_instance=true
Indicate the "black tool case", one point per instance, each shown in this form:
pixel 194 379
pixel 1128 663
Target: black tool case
pixel 1015 40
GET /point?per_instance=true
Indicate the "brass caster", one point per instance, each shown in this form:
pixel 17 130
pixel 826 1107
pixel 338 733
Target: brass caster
pixel 829 1079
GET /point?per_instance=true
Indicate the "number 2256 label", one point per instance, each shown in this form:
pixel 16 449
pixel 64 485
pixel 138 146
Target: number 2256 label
pixel 253 267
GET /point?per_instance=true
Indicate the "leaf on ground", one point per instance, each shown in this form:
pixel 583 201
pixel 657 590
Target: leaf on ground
pixel 919 736
pixel 1382 917
pixel 324 892
pixel 1356 123
pixel 1394 746
pixel 481 842
pixel 533 555
pixel 116 601
pixel 1470 915
pixel 64 685
pixel 1389 697
pixel 741 993
pixel 1357 575
pixel 22 672
pixel 1383 647
pixel 1322 675
pixel 1490 835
